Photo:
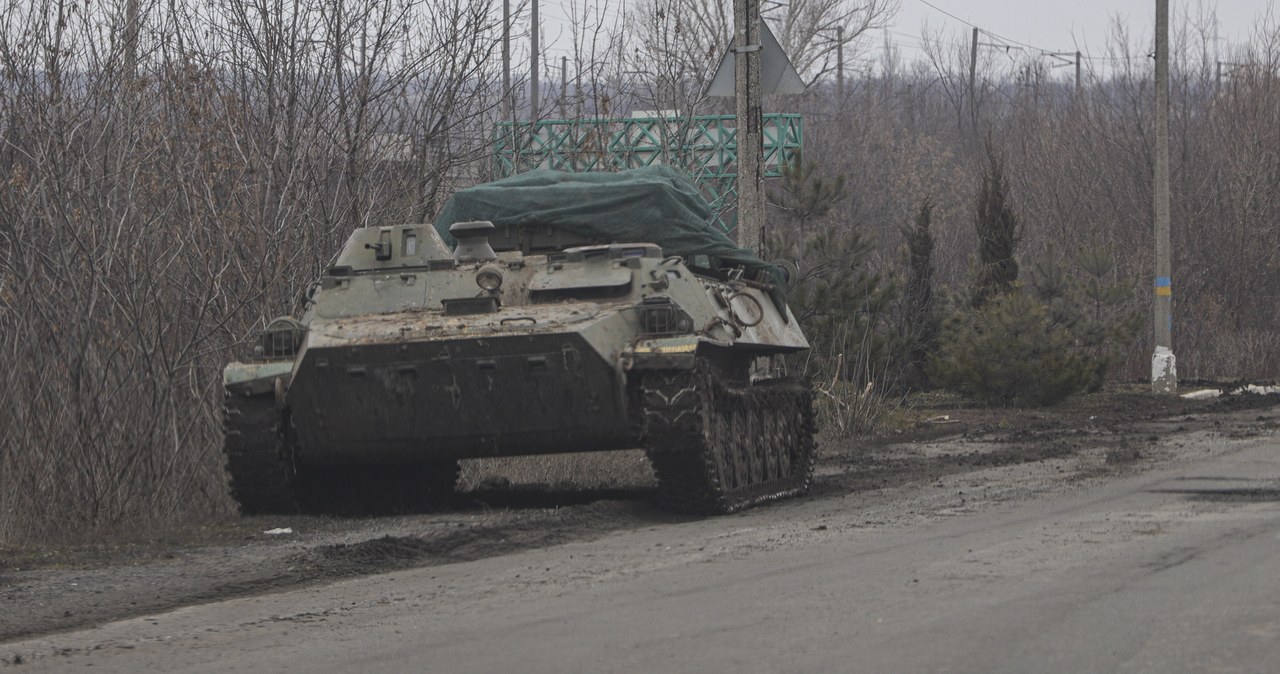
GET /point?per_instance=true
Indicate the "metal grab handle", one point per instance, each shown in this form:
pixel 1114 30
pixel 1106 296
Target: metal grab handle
pixel 513 319
pixel 759 310
pixel 730 327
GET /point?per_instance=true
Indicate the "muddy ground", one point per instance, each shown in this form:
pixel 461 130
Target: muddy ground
pixel 55 588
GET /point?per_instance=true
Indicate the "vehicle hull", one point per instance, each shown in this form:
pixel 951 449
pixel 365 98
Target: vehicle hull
pixel 457 398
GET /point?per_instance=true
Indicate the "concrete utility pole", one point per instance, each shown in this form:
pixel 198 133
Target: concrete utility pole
pixel 746 63
pixel 564 83
pixel 508 107
pixel 1164 373
pixel 973 80
pixel 840 62
pixel 131 39
pixel 533 63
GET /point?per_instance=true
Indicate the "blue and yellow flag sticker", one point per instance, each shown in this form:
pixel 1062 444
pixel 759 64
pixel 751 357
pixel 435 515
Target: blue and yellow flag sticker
pixel 1164 286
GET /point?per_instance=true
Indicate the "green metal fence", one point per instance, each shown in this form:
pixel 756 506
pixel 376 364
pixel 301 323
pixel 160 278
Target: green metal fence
pixel 705 146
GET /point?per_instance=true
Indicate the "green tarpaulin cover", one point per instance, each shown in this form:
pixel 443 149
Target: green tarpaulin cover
pixel 654 204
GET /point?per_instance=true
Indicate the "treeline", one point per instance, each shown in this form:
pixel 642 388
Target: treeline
pixel 167 185
pixel 1078 162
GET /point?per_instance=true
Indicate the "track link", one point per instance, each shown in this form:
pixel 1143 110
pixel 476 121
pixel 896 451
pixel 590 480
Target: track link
pixel 261 476
pixel 718 448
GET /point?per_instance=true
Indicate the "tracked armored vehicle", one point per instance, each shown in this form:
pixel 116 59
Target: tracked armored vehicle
pixel 567 312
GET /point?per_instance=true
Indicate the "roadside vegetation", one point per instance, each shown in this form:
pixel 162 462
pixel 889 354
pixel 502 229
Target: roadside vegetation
pixel 172 179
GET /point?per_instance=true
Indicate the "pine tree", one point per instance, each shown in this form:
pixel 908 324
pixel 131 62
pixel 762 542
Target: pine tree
pixel 1011 352
pixel 919 326
pixel 839 302
pixel 1086 302
pixel 998 234
pixel 806 195
pixel 1040 343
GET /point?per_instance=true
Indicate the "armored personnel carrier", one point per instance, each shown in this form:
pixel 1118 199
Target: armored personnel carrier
pixel 545 313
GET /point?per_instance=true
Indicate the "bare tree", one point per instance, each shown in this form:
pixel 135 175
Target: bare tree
pixel 813 31
pixel 163 194
pixel 696 34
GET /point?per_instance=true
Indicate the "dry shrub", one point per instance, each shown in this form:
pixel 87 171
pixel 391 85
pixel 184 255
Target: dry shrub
pixel 844 410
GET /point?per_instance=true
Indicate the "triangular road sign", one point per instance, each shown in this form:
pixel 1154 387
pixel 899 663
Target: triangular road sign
pixel 777 75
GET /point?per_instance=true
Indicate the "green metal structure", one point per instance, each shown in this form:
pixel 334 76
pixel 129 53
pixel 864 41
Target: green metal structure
pixel 705 146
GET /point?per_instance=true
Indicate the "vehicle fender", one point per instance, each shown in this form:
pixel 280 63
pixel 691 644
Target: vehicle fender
pixel 250 379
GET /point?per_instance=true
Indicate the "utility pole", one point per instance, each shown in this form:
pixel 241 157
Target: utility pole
pixel 840 63
pixel 131 39
pixel 1217 52
pixel 973 80
pixel 564 83
pixel 1164 373
pixel 746 64
pixel 1077 73
pixel 508 107
pixel 533 62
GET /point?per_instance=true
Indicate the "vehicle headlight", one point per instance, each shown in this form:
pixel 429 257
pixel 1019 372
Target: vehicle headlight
pixel 489 278
pixel 660 316
pixel 281 339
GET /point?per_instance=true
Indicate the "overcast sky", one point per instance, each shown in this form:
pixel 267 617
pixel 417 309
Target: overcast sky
pixel 1061 25
pixel 1070 25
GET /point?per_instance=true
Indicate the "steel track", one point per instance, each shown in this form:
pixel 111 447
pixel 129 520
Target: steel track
pixel 261 477
pixel 264 479
pixel 718 448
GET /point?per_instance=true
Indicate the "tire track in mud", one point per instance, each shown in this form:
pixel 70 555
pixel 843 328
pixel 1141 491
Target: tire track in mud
pixel 324 550
pixel 499 521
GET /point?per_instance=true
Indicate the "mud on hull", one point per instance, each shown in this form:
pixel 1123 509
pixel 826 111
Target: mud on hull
pixel 465 398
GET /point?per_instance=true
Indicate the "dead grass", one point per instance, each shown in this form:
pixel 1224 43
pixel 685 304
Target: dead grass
pixel 584 470
pixel 133 545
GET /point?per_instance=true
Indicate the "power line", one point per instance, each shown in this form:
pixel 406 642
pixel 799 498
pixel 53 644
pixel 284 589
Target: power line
pixel 988 32
pixel 1011 42
pixel 908 39
pixel 562 13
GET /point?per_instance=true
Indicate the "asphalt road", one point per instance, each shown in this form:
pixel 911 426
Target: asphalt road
pixel 1172 570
